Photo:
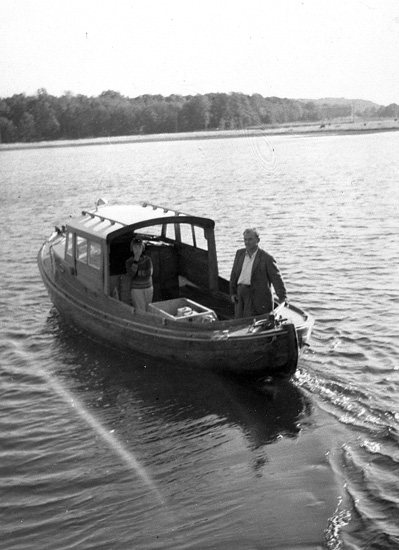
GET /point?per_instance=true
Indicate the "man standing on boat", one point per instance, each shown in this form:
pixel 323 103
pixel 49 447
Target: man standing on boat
pixel 139 267
pixel 253 273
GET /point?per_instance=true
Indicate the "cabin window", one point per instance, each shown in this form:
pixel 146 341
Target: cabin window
pixel 186 234
pixel 169 231
pixel 88 265
pixel 200 239
pixel 81 249
pixel 94 255
pixel 69 244
pixel 193 236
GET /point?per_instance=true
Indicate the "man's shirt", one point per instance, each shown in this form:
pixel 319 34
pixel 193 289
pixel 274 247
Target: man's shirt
pixel 245 275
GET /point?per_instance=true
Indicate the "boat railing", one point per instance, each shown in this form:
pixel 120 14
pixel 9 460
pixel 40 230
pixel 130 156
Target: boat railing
pixel 164 208
pixel 112 221
pixel 102 218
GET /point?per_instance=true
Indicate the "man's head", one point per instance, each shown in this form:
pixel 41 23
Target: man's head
pixel 251 240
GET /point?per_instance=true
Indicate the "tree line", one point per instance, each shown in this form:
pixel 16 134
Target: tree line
pixel 46 117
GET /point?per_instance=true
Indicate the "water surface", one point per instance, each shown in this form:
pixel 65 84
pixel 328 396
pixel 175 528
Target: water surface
pixel 105 450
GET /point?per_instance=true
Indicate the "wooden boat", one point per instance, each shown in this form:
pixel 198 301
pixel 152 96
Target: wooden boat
pixel 83 267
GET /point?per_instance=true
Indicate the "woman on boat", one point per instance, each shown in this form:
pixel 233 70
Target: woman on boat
pixel 139 267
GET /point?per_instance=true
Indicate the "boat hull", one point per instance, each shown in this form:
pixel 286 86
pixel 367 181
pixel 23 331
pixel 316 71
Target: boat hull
pixel 217 346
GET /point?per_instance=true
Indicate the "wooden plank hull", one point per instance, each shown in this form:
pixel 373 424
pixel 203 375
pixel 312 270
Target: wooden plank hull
pixel 218 345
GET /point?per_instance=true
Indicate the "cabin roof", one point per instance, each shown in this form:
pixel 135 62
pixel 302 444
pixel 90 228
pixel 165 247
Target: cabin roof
pixel 106 220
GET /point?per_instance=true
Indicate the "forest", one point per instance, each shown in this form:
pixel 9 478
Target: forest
pixel 45 117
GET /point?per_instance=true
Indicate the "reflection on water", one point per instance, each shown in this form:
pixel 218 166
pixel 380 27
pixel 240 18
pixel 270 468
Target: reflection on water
pixel 181 395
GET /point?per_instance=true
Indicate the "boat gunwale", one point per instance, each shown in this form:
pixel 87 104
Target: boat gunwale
pixel 160 325
pixel 56 238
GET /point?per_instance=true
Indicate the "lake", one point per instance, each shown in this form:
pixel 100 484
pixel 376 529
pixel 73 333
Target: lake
pixel 104 450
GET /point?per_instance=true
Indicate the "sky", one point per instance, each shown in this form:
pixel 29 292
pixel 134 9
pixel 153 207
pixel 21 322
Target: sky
pixel 285 48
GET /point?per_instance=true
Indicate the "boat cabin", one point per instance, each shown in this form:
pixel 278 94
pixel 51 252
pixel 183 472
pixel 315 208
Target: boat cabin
pixel 182 249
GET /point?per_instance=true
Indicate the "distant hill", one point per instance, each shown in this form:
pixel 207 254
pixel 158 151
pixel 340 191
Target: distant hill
pixel 358 104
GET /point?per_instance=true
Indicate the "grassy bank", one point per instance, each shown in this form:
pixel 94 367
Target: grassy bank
pixel 327 128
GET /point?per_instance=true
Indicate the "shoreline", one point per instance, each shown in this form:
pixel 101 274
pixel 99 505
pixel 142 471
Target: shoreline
pixel 309 129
